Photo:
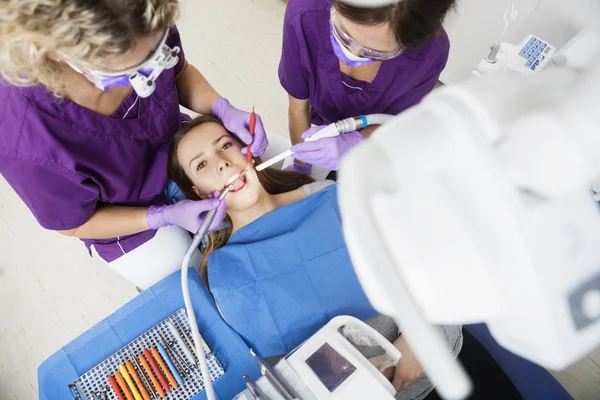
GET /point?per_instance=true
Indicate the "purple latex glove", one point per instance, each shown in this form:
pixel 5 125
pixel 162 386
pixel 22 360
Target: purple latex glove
pixel 188 214
pixel 305 169
pixel 238 122
pixel 326 152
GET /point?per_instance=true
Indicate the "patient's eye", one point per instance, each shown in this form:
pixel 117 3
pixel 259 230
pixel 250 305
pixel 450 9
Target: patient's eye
pixel 201 165
pixel 226 146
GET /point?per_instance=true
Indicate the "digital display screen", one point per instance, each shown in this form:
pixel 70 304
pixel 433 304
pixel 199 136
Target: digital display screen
pixel 331 368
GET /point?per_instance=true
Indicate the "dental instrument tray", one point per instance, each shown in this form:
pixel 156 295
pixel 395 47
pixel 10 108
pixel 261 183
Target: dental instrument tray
pixel 172 337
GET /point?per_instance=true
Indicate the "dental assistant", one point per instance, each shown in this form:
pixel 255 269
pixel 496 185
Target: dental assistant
pixel 89 101
pixel 341 61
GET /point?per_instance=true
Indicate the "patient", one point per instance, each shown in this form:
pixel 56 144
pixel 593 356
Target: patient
pixel 280 269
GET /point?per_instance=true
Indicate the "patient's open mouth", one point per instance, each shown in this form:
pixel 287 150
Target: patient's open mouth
pixel 239 180
pixel 239 183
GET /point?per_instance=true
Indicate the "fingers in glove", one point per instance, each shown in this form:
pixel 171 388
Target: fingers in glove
pixel 243 133
pixel 260 141
pixel 306 147
pixel 311 131
pixel 214 195
pixel 219 216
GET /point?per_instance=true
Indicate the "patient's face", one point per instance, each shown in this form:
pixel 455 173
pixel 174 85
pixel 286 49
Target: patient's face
pixel 210 156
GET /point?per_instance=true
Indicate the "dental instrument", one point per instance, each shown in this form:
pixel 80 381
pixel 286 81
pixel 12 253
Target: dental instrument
pixel 332 130
pixel 130 383
pixel 132 371
pixel 251 129
pixel 273 377
pixel 156 370
pixel 163 365
pixel 252 388
pixel 114 385
pixel 142 374
pixel 183 369
pixel 123 385
pixel 186 351
pixel 208 387
pixel 157 387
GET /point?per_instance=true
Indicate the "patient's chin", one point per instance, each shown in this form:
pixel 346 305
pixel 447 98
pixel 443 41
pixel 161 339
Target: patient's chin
pixel 242 201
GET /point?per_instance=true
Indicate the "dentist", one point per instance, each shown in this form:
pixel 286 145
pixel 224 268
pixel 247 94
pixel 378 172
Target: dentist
pixel 89 101
pixel 341 61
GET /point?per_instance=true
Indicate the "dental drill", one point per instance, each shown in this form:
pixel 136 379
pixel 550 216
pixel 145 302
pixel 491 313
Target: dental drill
pixel 202 231
pixel 332 130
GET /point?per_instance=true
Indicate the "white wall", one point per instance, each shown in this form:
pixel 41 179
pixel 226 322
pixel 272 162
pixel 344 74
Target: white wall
pixel 557 21
pixel 478 23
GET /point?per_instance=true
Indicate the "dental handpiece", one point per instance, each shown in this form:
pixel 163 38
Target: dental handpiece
pixel 187 299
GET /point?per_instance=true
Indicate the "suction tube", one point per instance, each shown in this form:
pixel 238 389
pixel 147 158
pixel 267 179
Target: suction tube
pixel 344 126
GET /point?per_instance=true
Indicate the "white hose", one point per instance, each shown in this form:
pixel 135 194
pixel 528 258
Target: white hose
pixel 187 300
pixel 210 391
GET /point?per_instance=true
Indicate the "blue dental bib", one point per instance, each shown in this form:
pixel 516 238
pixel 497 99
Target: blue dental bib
pixel 285 275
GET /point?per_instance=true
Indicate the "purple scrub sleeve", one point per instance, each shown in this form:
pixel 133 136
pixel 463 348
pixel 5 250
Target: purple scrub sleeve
pixel 294 72
pixel 309 69
pixel 64 160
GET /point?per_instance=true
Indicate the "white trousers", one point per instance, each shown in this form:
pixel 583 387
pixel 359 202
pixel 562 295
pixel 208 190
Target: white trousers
pixel 155 259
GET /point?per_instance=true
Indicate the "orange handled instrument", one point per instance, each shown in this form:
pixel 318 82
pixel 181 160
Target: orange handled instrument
pixel 134 391
pixel 123 385
pixel 156 370
pixel 138 382
pixel 166 370
pixel 148 370
pixel 115 387
pixel 252 127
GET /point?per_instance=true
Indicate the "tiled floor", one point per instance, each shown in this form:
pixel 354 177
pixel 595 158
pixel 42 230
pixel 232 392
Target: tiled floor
pixel 51 291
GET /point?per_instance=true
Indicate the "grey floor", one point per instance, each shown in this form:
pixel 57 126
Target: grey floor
pixel 51 291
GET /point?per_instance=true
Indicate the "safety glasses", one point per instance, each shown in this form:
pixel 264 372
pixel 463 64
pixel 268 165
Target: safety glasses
pixel 347 41
pixel 151 59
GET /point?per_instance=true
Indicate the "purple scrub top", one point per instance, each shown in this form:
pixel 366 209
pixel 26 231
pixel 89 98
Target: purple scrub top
pixel 64 160
pixel 309 69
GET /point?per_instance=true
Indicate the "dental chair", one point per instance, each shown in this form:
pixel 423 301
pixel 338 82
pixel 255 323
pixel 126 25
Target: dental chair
pixel 532 381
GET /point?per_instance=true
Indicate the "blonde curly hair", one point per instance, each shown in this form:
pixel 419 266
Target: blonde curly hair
pixel 87 30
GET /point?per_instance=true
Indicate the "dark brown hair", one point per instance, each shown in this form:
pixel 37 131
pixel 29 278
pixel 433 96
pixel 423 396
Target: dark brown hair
pixel 274 181
pixel 414 22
